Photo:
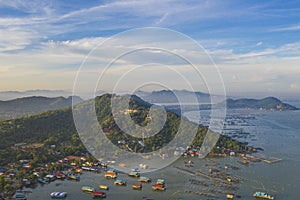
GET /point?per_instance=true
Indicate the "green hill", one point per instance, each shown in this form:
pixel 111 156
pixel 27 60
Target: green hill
pixel 269 103
pixel 57 128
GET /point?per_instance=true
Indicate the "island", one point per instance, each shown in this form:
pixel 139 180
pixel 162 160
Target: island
pixel 41 142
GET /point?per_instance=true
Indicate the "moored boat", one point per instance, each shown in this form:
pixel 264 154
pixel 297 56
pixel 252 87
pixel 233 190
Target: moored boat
pixel 74 177
pixel 78 170
pixel 263 195
pixel 20 196
pixel 158 187
pixel 137 186
pixel 120 182
pixel 51 177
pixel 160 182
pixel 88 189
pixel 99 194
pixel 110 174
pixel 229 196
pixel 145 179
pixel 59 175
pixel 58 195
pixel 42 180
pixel 103 187
pixel 134 174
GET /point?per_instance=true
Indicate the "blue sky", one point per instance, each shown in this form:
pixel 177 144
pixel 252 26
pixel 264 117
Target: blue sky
pixel 255 44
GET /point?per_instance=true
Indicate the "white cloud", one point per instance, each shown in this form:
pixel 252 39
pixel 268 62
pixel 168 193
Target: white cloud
pixel 15 38
pixel 294 27
pixel 258 44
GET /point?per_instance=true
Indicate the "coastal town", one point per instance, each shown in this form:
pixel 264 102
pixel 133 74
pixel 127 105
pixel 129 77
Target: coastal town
pixel 17 179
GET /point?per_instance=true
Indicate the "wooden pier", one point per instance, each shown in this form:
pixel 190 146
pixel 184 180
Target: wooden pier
pixel 271 160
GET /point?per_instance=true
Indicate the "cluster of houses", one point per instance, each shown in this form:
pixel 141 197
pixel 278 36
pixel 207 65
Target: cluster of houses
pixel 21 174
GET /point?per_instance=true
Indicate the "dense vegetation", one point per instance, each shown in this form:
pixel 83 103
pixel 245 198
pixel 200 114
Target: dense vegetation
pixel 57 128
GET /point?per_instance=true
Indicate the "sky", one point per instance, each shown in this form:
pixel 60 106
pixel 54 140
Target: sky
pixel 254 44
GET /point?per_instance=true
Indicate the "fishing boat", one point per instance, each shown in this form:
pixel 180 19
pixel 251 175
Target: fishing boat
pixel 51 177
pixel 110 174
pixel 134 174
pixel 137 186
pixel 58 195
pixel 74 177
pixel 120 182
pixel 42 180
pixel 229 196
pixel 143 166
pixel 99 194
pixel 263 195
pixel 88 189
pixel 160 182
pixel 59 175
pixel 145 180
pixel 103 187
pixel 20 196
pixel 158 187
pixel 78 170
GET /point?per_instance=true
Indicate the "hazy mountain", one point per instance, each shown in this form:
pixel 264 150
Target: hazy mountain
pixel 169 96
pixel 9 95
pixel 269 103
pixel 33 105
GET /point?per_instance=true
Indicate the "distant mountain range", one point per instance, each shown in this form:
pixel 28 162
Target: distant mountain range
pixel 9 95
pixel 173 96
pixel 33 105
pixel 36 104
pixel 269 103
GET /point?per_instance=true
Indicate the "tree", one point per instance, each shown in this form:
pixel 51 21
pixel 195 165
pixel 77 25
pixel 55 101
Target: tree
pixel 2 182
pixel 7 187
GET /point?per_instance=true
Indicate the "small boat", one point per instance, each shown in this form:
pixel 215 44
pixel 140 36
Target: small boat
pixel 160 182
pixel 51 177
pixel 88 189
pixel 229 196
pixel 143 166
pixel 134 174
pixel 58 195
pixel 135 169
pixel 158 187
pixel 137 186
pixel 103 164
pixel 59 175
pixel 145 180
pixel 42 180
pixel 78 170
pixel 263 195
pixel 111 170
pixel 103 187
pixel 120 182
pixel 74 177
pixel 99 194
pixel 20 196
pixel 110 174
